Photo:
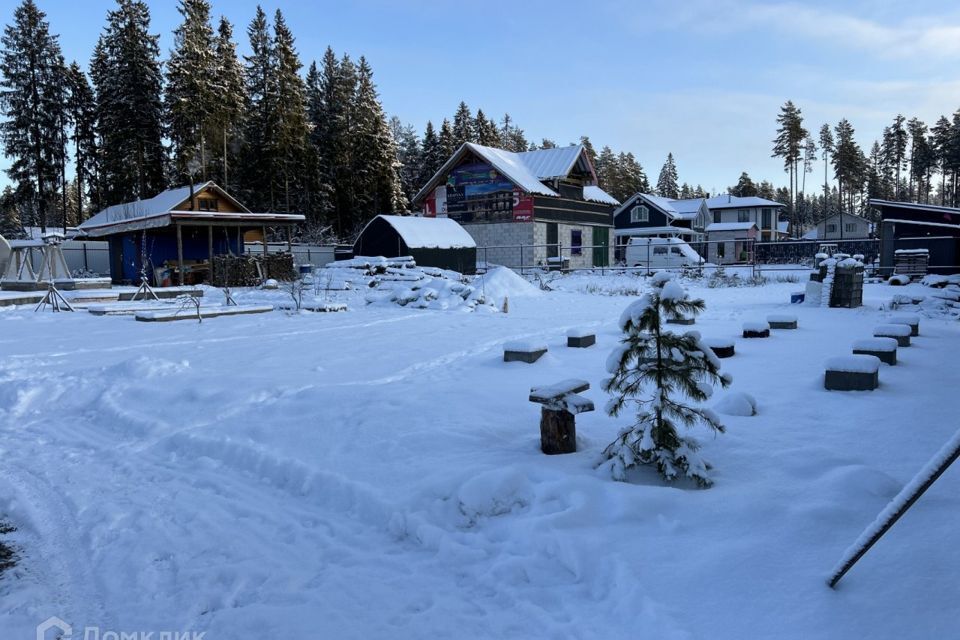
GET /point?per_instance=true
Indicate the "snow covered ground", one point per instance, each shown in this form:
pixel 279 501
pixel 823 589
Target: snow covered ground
pixel 377 474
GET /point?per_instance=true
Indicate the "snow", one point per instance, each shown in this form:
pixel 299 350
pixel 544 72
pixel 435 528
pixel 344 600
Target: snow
pixel 875 344
pixel 719 343
pixel 917 252
pixel 596 194
pixel 756 326
pixel 429 233
pixel 580 332
pixel 729 226
pixel 857 363
pixel 377 473
pixel 500 282
pixel 905 318
pixel 673 290
pixel 891 331
pixel 899 279
pixel 736 403
pixel 782 317
pixel 525 346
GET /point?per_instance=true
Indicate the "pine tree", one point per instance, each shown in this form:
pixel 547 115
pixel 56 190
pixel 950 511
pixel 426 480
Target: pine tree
pixel 433 157
pixel 190 96
pixel 788 145
pixel 287 145
pixel 591 152
pixel 847 163
pixel 409 157
pixel 744 188
pixel 82 106
pixel 511 136
pixel 826 145
pixel 10 225
pixel 667 182
pixel 895 151
pixel 487 133
pixel 672 367
pixel 447 143
pixel 633 179
pixel 227 115
pixel 126 76
pixel 463 126
pixel 940 134
pixel 374 153
pixel 330 116
pixel 606 168
pixel 259 72
pixel 30 100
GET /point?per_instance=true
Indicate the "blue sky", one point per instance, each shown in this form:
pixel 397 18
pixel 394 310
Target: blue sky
pixel 703 79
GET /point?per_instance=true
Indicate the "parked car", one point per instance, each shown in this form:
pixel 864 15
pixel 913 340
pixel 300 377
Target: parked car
pixel 661 253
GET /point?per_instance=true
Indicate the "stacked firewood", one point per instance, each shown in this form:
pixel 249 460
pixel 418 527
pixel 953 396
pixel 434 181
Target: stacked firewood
pixel 252 269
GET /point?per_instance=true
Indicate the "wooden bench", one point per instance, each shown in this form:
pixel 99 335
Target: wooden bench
pixel 560 402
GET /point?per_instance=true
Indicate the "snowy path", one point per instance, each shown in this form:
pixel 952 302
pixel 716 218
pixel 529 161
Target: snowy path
pixel 376 474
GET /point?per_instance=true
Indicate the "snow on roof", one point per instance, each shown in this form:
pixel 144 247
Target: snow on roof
pixel 430 233
pixel 875 202
pixel 727 201
pixel 689 207
pixel 676 209
pixel 730 226
pixel 526 169
pixel 596 194
pixel 158 211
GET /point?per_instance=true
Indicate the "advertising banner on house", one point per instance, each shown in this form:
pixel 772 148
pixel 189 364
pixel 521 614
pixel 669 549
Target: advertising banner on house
pixel 522 207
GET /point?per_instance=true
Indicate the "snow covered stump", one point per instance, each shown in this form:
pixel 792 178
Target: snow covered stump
pixel 721 347
pixel 852 373
pixel 912 320
pixel 899 331
pixel 782 321
pixel 561 403
pixel 581 338
pixel 523 351
pixel 756 330
pixel 883 348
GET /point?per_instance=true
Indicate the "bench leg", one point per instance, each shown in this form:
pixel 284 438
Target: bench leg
pixel 558 431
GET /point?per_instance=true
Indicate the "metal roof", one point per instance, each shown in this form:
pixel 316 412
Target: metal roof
pixel 727 201
pixel 526 169
pixel 159 211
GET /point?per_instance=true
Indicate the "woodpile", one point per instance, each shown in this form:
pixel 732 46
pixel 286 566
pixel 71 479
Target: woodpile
pixel 252 269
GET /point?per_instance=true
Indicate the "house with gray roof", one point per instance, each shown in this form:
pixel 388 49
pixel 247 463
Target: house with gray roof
pixel 525 209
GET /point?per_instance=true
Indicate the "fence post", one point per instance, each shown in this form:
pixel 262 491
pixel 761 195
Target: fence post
pixel 521 258
pixel 86 267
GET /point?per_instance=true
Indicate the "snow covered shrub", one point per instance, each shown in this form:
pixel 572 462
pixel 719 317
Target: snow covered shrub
pixel 654 369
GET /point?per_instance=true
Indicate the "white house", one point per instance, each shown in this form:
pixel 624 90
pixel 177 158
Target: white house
pixel 729 209
pixel 842 227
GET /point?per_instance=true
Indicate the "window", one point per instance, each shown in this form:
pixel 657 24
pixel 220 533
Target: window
pixel 850 227
pixel 207 204
pixel 675 251
pixel 721 250
pixel 743 215
pixel 640 213
pixel 659 251
pixel 831 228
pixel 767 218
pixel 576 242
pixel 716 217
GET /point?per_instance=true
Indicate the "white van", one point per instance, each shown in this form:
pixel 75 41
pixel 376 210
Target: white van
pixel 660 253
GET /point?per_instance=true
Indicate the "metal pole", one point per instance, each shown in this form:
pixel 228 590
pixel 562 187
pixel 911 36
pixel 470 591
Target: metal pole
pixel 180 254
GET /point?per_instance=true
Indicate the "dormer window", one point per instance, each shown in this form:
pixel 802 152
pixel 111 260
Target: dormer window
pixel 207 204
pixel 640 213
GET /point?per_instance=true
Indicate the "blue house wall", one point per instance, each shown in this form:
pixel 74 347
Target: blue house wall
pixel 161 246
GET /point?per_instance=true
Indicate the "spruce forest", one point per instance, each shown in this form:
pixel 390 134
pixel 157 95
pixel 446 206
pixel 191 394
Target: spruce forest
pixel 314 138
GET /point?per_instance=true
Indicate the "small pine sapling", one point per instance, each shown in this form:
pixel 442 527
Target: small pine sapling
pixel 670 368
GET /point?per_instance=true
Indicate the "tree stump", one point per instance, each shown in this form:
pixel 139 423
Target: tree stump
pixel 558 431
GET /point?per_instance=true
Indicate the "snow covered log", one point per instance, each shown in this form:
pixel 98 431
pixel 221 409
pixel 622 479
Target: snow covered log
pixel 681 320
pixel 561 402
pixel 852 373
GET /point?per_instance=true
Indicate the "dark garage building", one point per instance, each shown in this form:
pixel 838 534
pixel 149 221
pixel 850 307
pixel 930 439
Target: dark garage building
pixel 431 242
pixel 911 225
